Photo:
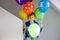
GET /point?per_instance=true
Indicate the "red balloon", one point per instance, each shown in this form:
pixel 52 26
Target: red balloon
pixel 29 8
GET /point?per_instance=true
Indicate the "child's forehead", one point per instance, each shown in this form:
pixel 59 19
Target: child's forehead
pixel 31 16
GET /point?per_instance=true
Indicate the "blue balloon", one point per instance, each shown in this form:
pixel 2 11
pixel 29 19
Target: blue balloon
pixel 44 5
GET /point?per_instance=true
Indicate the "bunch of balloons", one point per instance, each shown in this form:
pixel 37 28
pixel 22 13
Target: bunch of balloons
pixel 27 9
pixel 43 6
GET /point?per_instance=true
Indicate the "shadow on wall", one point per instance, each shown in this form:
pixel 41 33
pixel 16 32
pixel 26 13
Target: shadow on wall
pixel 11 6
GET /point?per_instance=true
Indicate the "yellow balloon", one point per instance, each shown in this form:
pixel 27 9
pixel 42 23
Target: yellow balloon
pixel 22 14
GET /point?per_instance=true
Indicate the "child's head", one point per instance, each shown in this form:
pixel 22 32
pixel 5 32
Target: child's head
pixel 31 17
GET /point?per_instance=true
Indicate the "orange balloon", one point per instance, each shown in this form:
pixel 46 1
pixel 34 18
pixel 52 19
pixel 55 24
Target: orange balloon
pixel 29 8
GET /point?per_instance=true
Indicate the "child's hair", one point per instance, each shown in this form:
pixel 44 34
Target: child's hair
pixel 30 14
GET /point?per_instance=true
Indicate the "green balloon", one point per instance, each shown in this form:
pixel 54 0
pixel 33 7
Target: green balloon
pixel 38 14
pixel 34 30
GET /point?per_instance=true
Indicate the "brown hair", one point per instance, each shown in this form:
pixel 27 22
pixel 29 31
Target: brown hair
pixel 30 14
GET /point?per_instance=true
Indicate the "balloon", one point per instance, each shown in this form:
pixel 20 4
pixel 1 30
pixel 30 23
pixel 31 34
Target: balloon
pixel 29 0
pixel 34 30
pixel 21 2
pixel 29 8
pixel 38 14
pixel 44 5
pixel 22 14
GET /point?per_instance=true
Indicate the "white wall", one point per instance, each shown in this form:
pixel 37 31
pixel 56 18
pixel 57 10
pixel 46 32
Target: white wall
pixel 55 4
pixel 10 26
pixel 51 20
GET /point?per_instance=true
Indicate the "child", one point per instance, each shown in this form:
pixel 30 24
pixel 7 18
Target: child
pixel 31 19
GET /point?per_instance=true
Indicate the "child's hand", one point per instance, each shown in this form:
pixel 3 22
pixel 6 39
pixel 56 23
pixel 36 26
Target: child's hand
pixel 24 27
pixel 41 25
